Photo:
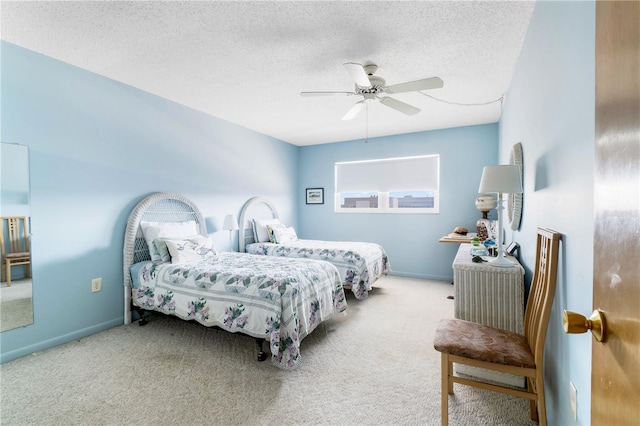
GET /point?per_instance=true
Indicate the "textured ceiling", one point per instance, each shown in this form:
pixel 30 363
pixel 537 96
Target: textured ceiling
pixel 247 62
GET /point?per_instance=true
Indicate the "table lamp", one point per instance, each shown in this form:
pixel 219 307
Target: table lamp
pixel 503 179
pixel 230 224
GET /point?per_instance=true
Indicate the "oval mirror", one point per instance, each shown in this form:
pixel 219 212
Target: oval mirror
pixel 514 202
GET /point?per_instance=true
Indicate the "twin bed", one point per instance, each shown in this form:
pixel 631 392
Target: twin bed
pixel 360 264
pixel 171 266
pixel 276 299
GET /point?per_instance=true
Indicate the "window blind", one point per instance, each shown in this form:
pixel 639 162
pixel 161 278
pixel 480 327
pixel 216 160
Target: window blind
pixel 390 174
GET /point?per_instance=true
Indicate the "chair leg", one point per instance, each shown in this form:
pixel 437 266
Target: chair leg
pixel 533 410
pixel 8 268
pixel 446 388
pixel 449 374
pixel 542 408
pixel 28 266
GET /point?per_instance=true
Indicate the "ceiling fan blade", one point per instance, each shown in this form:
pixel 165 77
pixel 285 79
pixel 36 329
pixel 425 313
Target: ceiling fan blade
pixel 412 86
pixel 353 111
pixel 399 106
pixel 358 74
pixel 326 93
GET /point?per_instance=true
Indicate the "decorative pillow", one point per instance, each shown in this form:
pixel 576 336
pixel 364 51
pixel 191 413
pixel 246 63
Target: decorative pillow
pixel 161 247
pixel 163 251
pixel 155 230
pixel 260 232
pixel 280 234
pixel 188 250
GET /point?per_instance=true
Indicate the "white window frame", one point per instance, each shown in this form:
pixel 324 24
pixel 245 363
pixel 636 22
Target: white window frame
pixel 383 196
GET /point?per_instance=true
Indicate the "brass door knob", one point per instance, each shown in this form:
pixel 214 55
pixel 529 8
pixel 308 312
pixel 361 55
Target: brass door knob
pixel 574 323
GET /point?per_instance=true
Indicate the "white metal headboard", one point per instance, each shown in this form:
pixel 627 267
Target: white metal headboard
pixel 158 207
pixel 245 234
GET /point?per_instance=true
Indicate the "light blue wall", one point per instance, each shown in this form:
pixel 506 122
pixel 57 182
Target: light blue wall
pixel 97 147
pixel 550 109
pixel 411 240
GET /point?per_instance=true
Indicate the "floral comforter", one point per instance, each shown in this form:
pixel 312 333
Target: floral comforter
pixel 278 299
pixel 360 264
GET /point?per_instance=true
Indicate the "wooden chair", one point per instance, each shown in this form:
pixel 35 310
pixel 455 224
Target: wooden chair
pixel 478 345
pixel 14 246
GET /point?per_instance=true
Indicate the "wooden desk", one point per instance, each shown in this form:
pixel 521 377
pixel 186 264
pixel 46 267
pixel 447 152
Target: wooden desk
pixel 457 240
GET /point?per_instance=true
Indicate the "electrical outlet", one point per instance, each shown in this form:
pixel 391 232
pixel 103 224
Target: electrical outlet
pixel 573 399
pixel 96 284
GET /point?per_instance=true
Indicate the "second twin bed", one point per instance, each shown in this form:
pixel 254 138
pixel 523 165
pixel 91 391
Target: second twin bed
pixel 360 264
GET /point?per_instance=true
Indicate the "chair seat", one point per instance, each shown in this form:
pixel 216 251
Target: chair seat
pixel 482 343
pixel 23 255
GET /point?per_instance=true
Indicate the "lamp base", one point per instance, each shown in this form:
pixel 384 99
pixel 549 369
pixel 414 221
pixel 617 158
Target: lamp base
pixel 231 247
pixel 501 262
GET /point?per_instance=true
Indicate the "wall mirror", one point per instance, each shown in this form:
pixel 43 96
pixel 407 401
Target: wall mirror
pixel 514 202
pixel 16 290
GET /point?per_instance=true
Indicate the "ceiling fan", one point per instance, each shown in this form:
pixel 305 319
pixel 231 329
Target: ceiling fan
pixel 372 87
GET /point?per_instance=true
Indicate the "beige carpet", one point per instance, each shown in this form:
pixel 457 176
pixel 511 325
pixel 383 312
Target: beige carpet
pixel 16 304
pixel 375 365
pixel 20 289
pixel 16 313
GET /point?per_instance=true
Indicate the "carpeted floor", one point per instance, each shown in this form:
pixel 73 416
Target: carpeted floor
pixel 16 304
pixel 16 313
pixel 20 289
pixel 374 365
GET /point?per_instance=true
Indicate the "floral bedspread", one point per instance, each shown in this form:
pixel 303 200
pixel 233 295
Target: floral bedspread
pixel 360 264
pixel 279 299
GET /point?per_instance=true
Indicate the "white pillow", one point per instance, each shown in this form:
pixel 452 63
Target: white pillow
pixel 188 250
pixel 260 231
pixel 155 230
pixel 280 234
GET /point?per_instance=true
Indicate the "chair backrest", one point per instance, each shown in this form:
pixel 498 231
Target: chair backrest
pixel 543 288
pixel 14 235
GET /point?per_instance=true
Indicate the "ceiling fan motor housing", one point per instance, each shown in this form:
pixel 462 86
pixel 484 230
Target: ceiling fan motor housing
pixel 377 86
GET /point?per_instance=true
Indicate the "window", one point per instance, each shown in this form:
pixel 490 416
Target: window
pixel 390 185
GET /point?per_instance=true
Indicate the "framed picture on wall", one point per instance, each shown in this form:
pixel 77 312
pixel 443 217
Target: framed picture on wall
pixel 315 195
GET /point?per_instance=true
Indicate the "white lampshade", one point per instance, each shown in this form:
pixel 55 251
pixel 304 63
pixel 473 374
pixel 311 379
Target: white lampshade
pixel 230 223
pixel 503 179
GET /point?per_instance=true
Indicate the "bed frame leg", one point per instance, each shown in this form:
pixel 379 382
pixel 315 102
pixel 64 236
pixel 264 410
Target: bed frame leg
pixel 261 354
pixel 142 321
